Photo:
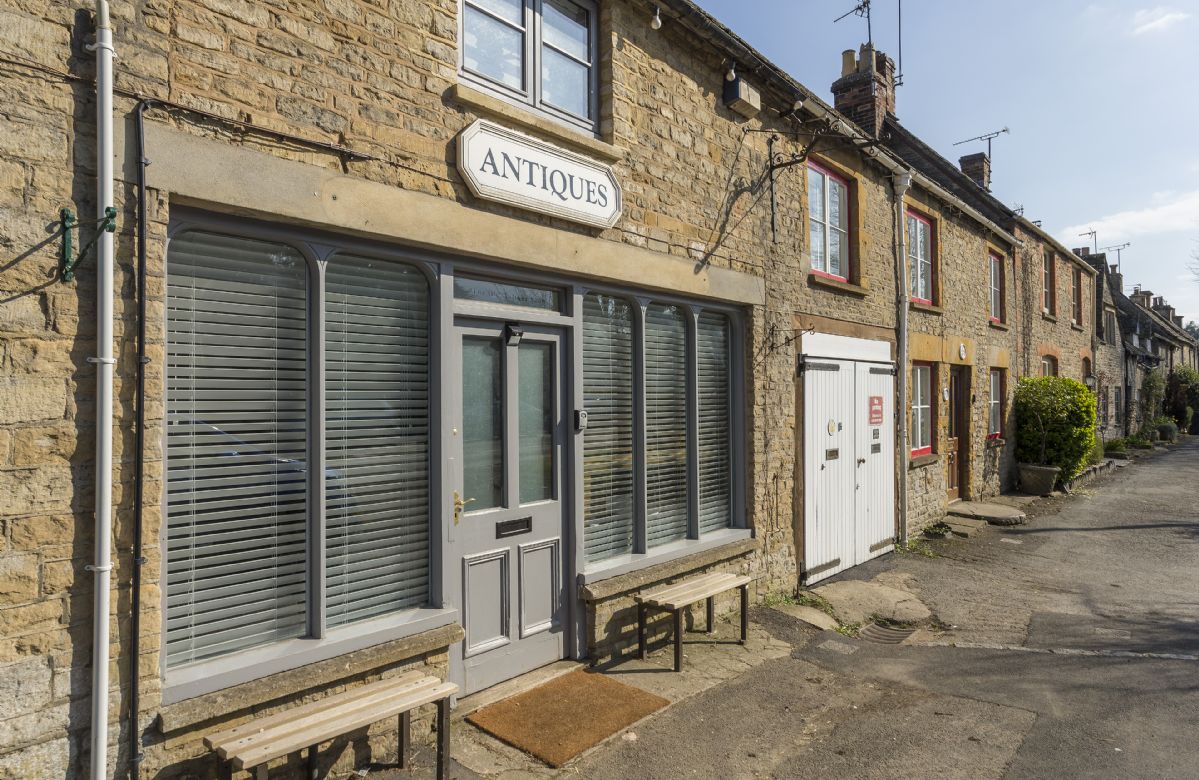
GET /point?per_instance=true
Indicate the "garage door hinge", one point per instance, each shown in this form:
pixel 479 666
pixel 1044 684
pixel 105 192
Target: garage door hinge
pixel 803 364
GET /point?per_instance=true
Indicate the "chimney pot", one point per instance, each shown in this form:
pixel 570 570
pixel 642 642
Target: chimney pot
pixel 849 62
pixel 977 166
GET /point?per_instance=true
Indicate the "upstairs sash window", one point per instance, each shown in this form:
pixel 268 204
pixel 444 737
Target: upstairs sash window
pixel 828 222
pixel 920 258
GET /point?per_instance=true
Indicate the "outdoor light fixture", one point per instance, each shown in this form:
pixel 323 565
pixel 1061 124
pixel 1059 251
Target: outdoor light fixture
pixel 1089 381
pixel 513 333
pixel 656 22
pixel 732 74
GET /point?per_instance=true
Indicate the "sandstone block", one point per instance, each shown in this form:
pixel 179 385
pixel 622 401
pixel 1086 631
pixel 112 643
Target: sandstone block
pixel 27 399
pixel 18 578
pixel 40 531
pixel 24 687
pixel 31 618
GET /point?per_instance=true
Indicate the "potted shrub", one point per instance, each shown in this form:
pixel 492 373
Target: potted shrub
pixel 1055 431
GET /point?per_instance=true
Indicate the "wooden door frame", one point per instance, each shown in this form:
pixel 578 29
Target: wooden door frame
pixel 963 414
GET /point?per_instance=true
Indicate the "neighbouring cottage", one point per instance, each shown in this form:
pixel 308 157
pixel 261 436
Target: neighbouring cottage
pixel 1112 362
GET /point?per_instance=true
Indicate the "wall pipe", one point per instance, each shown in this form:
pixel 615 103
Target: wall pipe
pixel 135 743
pixel 901 183
pixel 104 362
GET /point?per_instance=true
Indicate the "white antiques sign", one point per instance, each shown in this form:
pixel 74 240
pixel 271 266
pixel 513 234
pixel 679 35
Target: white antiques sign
pixel 510 167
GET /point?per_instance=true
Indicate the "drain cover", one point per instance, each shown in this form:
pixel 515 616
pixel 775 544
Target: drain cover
pixel 885 635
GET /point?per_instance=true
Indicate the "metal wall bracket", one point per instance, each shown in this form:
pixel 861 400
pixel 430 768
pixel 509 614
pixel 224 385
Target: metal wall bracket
pixel 67 222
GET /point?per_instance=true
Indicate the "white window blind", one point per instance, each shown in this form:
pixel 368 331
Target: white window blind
pixel 715 420
pixel 665 424
pixel 376 438
pixel 608 521
pixel 236 462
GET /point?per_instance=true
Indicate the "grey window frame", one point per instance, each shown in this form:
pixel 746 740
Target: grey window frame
pixel 642 554
pixel 530 96
pixel 320 642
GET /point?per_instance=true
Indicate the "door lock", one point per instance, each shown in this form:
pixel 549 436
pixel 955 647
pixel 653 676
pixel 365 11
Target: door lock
pixel 861 461
pixel 459 505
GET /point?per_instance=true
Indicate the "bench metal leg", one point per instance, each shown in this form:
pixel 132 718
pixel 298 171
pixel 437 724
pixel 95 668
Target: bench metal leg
pixel 678 640
pixel 641 648
pixel 711 612
pixel 226 770
pixel 405 738
pixel 744 613
pixel 443 739
pixel 314 768
pixel 263 772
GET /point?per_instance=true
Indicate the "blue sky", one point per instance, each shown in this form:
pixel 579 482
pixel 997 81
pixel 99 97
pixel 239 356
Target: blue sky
pixel 1102 100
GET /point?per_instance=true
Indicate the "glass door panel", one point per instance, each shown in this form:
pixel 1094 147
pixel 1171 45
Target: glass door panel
pixel 535 382
pixel 483 421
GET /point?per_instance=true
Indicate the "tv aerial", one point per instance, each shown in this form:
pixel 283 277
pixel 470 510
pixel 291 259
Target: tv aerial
pixel 988 137
pixel 862 9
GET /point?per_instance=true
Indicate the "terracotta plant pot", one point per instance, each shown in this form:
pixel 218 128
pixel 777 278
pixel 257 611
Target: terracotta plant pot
pixel 1037 480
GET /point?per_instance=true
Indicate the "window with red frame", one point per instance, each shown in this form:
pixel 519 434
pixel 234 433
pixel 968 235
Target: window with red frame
pixel 996 262
pixel 922 409
pixel 920 257
pixel 828 222
pixel 995 410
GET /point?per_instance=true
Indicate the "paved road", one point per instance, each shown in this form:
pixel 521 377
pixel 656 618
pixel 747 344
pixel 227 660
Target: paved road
pixel 1073 652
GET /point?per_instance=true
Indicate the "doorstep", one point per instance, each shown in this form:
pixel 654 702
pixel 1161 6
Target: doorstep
pixel 994 514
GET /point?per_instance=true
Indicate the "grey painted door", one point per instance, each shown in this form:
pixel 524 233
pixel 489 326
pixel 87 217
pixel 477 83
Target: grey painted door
pixel 508 513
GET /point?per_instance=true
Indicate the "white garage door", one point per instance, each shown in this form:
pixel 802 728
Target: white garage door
pixel 849 463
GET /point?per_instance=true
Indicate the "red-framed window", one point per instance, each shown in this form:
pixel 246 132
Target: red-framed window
pixel 995 406
pixel 922 409
pixel 920 257
pixel 995 261
pixel 1049 284
pixel 828 222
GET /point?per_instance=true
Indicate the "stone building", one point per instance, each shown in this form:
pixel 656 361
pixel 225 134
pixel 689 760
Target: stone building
pixel 1113 365
pixel 424 356
pixel 1057 299
pixel 961 305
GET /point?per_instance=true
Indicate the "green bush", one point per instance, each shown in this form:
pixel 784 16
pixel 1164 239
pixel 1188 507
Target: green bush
pixel 1182 395
pixel 1168 430
pixel 1139 443
pixel 1097 452
pixel 1153 392
pixel 1055 423
pixel 1115 446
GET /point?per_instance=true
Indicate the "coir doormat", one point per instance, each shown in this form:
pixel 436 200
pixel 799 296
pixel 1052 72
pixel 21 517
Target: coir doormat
pixel 559 720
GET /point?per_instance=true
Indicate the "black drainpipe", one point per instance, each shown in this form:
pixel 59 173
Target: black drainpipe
pixel 135 740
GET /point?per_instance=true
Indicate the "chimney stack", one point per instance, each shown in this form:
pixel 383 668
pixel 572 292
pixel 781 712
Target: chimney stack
pixel 1117 278
pixel 1178 320
pixel 1142 298
pixel 866 90
pixel 977 166
pixel 1082 251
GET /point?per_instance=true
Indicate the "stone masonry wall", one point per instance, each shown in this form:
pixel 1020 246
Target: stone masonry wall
pixel 380 78
pixel 960 318
pixel 1053 333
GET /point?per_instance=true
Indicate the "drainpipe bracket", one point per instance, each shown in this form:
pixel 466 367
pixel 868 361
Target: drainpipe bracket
pixel 93 567
pixel 105 361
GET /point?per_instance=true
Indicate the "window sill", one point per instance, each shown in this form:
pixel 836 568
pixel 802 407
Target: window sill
pixel 817 279
pixel 249 666
pixel 1047 316
pixel 999 325
pixel 603 570
pixel 483 103
pixel 921 461
pixel 1075 326
pixel 996 442
pixel 927 308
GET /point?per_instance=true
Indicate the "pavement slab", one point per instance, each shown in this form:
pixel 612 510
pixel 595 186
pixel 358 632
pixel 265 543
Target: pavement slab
pixel 809 615
pixel 855 601
pixel 995 514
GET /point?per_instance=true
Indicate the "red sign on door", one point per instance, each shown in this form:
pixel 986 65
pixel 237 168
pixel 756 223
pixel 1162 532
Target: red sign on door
pixel 876 410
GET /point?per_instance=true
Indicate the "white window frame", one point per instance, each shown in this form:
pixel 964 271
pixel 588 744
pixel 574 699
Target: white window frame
pixel 1049 283
pixel 1076 302
pixel 995 261
pixel 920 257
pixel 995 408
pixel 827 179
pixel 922 409
pixel 530 94
pixel 1048 365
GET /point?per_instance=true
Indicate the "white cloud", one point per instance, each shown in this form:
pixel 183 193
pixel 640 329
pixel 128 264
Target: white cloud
pixel 1180 212
pixel 1149 20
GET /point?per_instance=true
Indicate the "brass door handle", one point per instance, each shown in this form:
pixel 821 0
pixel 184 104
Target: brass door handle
pixel 459 505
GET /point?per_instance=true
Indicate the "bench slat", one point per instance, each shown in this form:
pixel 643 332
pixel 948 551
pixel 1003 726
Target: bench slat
pixel 666 591
pixel 324 728
pixel 302 717
pixel 689 592
pixel 683 599
pixel 259 724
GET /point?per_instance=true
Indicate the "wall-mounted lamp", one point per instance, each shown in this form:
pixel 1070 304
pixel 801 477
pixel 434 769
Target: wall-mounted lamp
pixel 1090 381
pixel 512 334
pixel 656 22
pixel 732 73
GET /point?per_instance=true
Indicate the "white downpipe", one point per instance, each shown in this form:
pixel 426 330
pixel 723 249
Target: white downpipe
pixel 104 371
pixel 902 182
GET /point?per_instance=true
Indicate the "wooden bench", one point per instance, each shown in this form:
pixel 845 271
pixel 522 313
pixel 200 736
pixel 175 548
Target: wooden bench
pixel 254 743
pixel 677 597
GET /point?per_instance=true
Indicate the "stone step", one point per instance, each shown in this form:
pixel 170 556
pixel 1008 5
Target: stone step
pixel 995 514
